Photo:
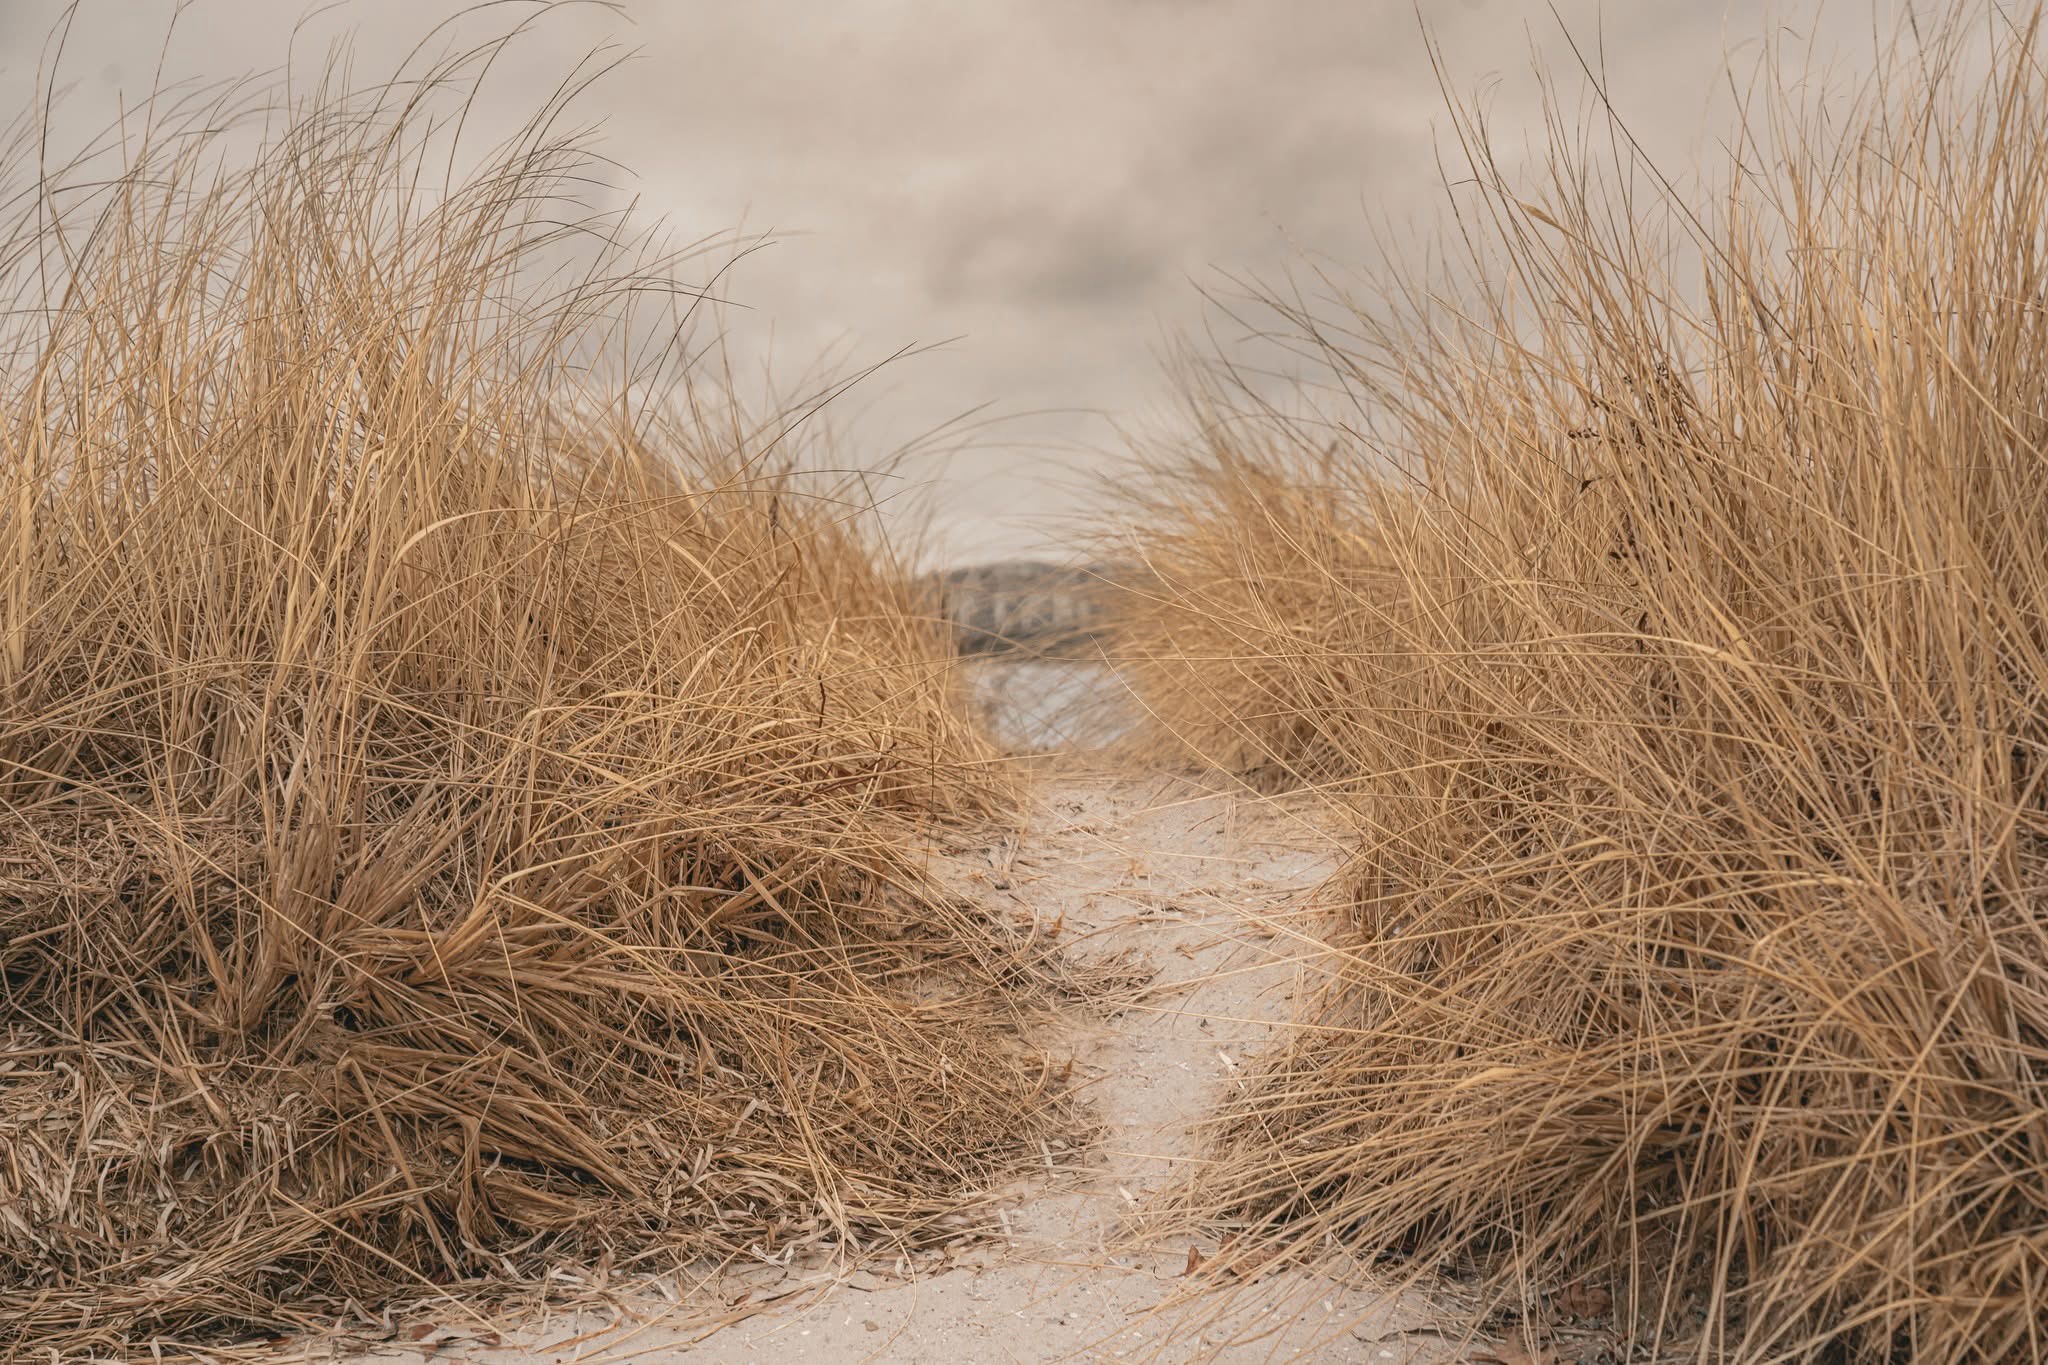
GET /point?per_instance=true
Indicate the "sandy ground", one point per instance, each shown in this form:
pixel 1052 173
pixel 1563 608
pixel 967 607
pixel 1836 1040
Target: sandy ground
pixel 1206 890
pixel 1038 704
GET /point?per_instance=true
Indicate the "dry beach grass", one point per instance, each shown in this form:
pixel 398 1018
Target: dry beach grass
pixel 469 799
pixel 1664 593
pixel 458 817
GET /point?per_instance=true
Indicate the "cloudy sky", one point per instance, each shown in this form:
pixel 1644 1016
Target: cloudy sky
pixel 1044 185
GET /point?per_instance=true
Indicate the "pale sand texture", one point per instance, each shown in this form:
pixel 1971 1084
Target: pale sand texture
pixel 1204 889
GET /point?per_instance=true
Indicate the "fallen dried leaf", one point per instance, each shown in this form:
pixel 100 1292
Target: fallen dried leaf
pixel 429 1337
pixel 1581 1300
pixel 1194 1259
pixel 1510 1353
pixel 1250 1262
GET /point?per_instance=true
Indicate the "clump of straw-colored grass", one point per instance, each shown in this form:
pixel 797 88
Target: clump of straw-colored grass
pixel 1682 650
pixel 1243 594
pixel 462 799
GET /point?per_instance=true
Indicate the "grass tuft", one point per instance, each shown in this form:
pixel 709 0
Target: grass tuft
pixel 1664 590
pixel 464 799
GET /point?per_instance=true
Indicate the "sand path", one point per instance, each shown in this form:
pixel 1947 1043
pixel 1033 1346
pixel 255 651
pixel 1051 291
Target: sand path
pixel 1205 890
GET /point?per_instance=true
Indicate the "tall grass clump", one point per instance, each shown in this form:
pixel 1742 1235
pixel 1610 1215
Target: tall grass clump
pixel 1671 608
pixel 463 800
pixel 1245 588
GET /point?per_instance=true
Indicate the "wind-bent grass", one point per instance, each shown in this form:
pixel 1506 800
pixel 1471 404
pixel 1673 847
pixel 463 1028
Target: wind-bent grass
pixel 1683 653
pixel 455 819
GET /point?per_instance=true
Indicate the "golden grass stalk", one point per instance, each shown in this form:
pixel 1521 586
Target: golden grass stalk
pixel 1683 653
pixel 463 799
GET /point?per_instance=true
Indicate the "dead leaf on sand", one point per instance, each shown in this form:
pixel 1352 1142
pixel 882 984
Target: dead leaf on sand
pixel 1251 1261
pixel 1581 1300
pixel 1194 1259
pixel 428 1337
pixel 1512 1353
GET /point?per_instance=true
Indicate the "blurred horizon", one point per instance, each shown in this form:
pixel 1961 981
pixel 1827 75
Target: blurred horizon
pixel 1029 197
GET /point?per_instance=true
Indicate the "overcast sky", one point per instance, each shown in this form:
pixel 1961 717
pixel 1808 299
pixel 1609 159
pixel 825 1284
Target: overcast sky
pixel 1048 181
